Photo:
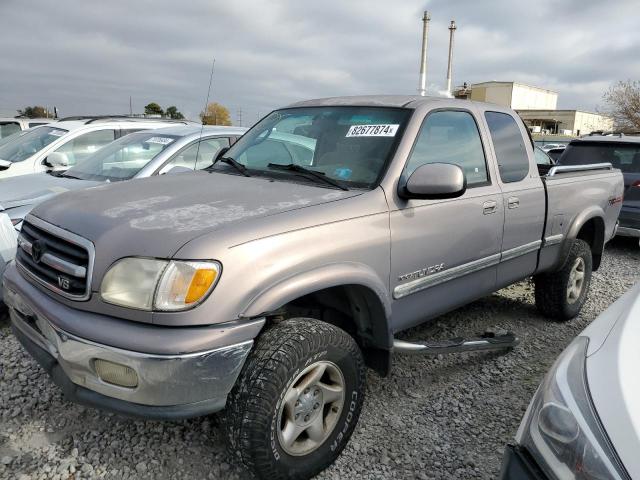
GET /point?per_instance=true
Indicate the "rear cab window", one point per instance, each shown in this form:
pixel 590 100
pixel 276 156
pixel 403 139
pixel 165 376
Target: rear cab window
pixel 508 144
pixel 451 136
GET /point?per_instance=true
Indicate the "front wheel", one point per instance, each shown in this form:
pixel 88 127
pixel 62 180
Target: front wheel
pixel 297 400
pixel 562 294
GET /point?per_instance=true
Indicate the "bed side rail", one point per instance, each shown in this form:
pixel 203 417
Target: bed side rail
pixel 578 168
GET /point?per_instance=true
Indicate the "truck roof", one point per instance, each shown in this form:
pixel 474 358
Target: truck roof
pixel 398 101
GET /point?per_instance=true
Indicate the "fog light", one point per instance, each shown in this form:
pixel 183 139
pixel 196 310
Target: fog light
pixel 116 374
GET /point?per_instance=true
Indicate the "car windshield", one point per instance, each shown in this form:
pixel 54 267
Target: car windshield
pixel 24 146
pixel 122 159
pixel 8 128
pixel 350 145
pixel 12 137
pixel 625 156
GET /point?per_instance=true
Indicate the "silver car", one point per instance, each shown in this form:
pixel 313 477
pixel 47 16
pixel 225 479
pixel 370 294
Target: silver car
pixel 138 155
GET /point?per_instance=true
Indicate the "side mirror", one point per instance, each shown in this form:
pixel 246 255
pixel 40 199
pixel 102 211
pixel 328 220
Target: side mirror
pixel 221 153
pixel 57 161
pixel 4 165
pixel 434 181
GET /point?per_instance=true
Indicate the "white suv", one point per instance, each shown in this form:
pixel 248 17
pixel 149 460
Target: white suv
pixel 62 144
pixel 10 126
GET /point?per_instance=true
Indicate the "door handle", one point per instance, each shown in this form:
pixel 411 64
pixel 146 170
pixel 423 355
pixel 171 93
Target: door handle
pixel 489 207
pixel 513 202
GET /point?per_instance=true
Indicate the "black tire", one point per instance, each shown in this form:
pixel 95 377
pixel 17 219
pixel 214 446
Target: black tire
pixel 253 416
pixel 551 288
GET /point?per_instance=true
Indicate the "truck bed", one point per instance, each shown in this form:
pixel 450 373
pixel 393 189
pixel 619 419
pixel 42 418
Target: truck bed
pixel 568 189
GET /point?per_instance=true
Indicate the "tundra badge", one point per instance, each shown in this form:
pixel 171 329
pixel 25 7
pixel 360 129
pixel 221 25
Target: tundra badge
pixel 421 273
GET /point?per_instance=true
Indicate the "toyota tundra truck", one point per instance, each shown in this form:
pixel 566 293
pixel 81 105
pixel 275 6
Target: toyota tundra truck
pixel 265 285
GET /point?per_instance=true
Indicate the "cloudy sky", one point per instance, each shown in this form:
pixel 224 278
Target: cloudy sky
pixel 90 57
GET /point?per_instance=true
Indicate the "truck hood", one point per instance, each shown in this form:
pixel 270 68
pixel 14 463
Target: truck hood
pixel 612 372
pixel 156 216
pixel 32 189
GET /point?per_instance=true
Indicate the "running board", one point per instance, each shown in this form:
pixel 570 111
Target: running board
pixel 487 341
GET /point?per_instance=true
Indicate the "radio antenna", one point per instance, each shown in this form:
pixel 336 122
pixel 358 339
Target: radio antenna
pixel 206 104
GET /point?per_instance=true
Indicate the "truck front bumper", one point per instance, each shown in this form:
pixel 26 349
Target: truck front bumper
pixel 132 383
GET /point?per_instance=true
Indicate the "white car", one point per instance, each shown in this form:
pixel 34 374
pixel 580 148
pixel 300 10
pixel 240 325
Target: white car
pixel 62 144
pixel 584 420
pixel 9 126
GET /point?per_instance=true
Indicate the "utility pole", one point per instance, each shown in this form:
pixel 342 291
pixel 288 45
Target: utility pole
pixel 422 85
pixel 239 117
pixel 130 107
pixel 452 29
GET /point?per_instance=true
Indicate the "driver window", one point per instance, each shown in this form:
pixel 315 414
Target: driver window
pixel 206 154
pixel 450 137
pixel 85 145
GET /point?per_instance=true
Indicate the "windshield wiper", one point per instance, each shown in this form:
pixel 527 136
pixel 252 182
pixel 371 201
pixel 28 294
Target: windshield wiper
pixel 311 173
pixel 237 165
pixel 66 175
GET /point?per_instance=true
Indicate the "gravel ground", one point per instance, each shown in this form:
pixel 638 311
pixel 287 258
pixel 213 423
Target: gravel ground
pixel 433 418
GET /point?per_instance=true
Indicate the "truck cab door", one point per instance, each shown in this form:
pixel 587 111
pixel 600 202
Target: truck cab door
pixel 445 252
pixel 523 196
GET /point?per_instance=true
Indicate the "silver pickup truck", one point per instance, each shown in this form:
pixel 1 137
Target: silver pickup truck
pixel 264 284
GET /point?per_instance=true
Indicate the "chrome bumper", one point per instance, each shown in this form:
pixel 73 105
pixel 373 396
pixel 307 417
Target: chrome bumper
pixel 163 380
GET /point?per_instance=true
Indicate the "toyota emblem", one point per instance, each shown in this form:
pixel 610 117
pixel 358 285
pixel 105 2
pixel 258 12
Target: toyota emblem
pixel 37 250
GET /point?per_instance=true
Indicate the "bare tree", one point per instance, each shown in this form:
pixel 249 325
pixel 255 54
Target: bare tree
pixel 623 104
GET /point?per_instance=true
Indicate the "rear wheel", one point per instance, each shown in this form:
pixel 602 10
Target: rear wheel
pixel 297 400
pixel 561 294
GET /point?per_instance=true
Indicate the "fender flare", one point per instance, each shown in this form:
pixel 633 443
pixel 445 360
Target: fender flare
pixel 593 212
pixel 327 276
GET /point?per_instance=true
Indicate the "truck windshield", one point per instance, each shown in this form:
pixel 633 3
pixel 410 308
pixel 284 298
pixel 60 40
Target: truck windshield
pixel 348 144
pixel 625 156
pixel 122 159
pixel 24 146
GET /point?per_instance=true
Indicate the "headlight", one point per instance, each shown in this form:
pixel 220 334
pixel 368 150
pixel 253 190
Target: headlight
pixel 150 284
pixel 561 429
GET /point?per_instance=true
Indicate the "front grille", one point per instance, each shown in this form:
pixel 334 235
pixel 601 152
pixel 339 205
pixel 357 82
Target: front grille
pixel 55 258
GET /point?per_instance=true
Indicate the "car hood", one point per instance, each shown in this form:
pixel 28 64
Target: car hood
pixel 612 373
pixel 156 216
pixel 31 189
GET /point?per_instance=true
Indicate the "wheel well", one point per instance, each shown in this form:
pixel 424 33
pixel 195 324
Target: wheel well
pixel 355 309
pixel 592 232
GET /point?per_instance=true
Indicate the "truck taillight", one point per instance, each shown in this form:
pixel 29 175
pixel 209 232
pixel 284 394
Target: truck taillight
pixel 636 183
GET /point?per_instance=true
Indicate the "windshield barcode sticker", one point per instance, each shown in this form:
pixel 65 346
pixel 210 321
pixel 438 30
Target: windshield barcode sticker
pixel 160 140
pixel 388 130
